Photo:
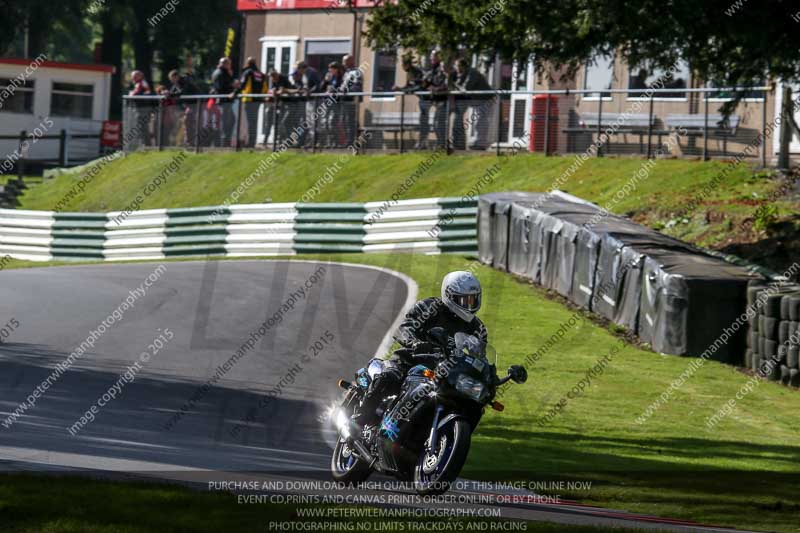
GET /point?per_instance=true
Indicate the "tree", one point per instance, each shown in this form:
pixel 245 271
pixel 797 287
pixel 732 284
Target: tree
pixel 730 42
pixel 44 21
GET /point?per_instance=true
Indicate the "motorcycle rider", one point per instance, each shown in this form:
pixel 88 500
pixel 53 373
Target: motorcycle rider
pixel 454 311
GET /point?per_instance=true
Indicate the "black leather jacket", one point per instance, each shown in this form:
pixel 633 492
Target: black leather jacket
pixel 425 315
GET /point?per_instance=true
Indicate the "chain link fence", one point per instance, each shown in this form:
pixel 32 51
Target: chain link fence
pixel 651 122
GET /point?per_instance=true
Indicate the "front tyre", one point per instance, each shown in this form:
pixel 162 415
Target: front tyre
pixel 435 471
pixel 346 466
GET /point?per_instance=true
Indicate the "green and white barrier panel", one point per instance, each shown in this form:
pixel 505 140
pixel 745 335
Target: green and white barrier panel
pixel 429 225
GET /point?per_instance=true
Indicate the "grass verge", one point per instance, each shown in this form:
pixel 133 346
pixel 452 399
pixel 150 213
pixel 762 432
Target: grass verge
pixel 38 504
pixel 727 200
pixel 744 472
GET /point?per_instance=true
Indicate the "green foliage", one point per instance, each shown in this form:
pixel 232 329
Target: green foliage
pixel 765 217
pixel 743 45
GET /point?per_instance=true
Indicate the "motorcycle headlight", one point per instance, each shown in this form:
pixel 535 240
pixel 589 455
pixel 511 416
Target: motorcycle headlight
pixel 472 388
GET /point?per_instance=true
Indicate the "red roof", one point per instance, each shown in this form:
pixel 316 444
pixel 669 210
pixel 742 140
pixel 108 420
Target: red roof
pixel 284 5
pixel 95 67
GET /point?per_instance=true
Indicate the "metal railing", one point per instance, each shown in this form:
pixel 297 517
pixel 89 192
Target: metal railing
pixel 651 122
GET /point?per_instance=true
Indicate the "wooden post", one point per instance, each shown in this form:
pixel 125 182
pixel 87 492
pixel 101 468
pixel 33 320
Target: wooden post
pixel 239 125
pixel 650 128
pixel 160 126
pixel 197 124
pixel 600 126
pixel 62 148
pixel 402 120
pixel 499 120
pixel 547 126
pixel 705 127
pixel 21 161
pixel 764 130
pixel 786 128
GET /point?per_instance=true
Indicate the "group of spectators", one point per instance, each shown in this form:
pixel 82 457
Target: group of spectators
pixel 328 119
pixel 444 85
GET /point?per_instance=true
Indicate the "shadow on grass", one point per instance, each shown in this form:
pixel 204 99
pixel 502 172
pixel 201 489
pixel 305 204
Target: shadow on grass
pixel 681 480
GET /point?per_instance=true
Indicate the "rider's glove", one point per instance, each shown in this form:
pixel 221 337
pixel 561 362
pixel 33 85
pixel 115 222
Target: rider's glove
pixel 426 347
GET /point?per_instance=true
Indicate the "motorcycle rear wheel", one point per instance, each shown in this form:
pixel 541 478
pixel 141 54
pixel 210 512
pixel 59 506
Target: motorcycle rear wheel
pixel 434 473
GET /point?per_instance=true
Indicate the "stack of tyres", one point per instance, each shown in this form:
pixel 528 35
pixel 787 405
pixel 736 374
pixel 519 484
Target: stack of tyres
pixel 774 336
pixel 789 339
pixel 753 354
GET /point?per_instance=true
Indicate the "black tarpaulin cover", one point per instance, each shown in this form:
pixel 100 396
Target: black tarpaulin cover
pixel 618 279
pixel 690 304
pixel 600 261
pixel 494 211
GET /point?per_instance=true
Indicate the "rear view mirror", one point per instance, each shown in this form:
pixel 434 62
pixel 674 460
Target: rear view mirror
pixel 518 374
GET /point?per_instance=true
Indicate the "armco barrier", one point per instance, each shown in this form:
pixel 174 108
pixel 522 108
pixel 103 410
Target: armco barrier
pixel 429 225
pixel 678 298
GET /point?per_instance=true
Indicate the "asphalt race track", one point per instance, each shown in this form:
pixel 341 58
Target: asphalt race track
pixel 191 411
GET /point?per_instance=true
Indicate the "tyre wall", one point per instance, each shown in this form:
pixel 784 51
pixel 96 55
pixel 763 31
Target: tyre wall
pixel 678 298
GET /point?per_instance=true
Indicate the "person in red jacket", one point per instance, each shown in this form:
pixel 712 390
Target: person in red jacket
pixel 142 110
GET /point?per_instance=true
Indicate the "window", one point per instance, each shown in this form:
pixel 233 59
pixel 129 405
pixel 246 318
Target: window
pixel 728 95
pixel 319 53
pixel 385 70
pixel 72 100
pixel 16 96
pixel 599 76
pixel 656 78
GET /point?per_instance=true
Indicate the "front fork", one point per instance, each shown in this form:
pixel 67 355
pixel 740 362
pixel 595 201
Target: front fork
pixel 431 447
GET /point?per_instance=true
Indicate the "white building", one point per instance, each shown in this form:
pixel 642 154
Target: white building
pixel 44 97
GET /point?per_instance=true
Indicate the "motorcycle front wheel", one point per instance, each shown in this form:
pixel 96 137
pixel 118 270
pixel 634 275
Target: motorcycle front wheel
pixel 346 466
pixel 437 469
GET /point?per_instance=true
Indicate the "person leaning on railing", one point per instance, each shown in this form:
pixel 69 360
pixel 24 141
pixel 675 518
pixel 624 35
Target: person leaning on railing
pixel 141 108
pixel 278 84
pixel 310 83
pixel 332 84
pixel 353 82
pixel 224 83
pixel 414 79
pixel 470 79
pixel 184 86
pixel 252 81
pixel 436 80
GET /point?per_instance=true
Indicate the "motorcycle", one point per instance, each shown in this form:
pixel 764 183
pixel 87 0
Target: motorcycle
pixel 425 431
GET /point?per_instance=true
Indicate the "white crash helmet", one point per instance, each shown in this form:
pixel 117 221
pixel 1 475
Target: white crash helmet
pixel 461 293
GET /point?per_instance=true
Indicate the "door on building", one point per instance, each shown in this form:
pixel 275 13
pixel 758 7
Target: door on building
pixel 520 107
pixel 277 53
pixel 515 108
pixel 794 144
